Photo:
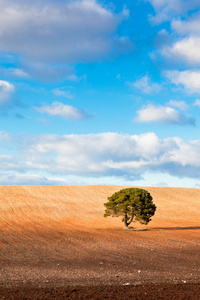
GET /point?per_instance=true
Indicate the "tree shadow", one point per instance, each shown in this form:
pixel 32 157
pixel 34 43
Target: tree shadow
pixel 176 228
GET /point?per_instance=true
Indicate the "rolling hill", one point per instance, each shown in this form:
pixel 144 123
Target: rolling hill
pixel 57 235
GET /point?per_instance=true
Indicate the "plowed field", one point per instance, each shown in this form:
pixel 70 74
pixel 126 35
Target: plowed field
pixel 54 237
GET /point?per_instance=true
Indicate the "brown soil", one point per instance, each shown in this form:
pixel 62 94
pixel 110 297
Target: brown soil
pixel 55 241
pixel 159 291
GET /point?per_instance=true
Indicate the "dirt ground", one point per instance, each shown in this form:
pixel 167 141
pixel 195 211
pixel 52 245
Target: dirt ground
pixel 157 292
pixel 55 244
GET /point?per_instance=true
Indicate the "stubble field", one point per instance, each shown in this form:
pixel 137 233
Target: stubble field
pixel 55 243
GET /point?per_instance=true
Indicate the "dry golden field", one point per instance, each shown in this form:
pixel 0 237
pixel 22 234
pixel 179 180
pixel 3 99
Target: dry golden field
pixel 57 236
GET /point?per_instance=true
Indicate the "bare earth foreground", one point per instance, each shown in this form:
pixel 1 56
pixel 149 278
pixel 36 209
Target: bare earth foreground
pixel 56 244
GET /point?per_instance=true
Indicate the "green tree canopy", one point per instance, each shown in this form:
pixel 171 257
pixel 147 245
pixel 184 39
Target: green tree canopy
pixel 133 204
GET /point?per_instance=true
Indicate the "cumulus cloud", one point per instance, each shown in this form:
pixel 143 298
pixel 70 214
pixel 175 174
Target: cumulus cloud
pixel 182 105
pixel 61 93
pixel 186 49
pixel 166 9
pixel 102 155
pixel 61 31
pixel 182 46
pixel 55 159
pixel 145 85
pixel 197 102
pixel 7 91
pixel 190 26
pixel 163 38
pixel 163 114
pixel 29 179
pixel 92 154
pixel 189 79
pixel 62 110
pixel 4 136
pixel 49 72
pixel 14 72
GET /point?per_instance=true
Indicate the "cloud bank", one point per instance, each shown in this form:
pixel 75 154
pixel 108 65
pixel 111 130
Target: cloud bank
pixel 101 155
pixel 61 31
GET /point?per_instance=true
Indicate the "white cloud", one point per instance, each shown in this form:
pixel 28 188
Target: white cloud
pixel 61 31
pixel 162 114
pixel 191 26
pixel 181 156
pixel 49 72
pixel 189 79
pixel 7 91
pixel 163 38
pixel 197 102
pixel 109 154
pixel 166 9
pixel 65 94
pixel 62 110
pixel 55 159
pixel 29 179
pixel 4 136
pixel 92 154
pixel 182 105
pixel 146 86
pixel 123 44
pixel 14 72
pixel 186 50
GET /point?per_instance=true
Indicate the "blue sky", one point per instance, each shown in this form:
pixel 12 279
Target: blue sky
pixel 100 92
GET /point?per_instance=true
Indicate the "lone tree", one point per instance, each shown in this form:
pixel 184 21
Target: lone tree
pixel 133 204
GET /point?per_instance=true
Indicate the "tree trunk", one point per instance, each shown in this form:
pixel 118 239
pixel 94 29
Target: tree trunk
pixel 130 220
pixel 125 221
